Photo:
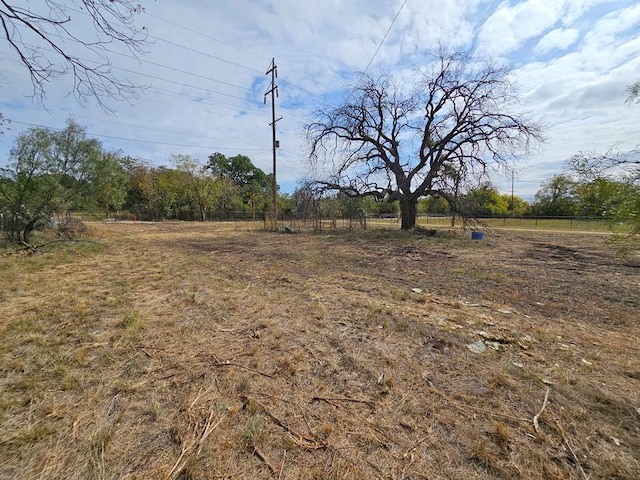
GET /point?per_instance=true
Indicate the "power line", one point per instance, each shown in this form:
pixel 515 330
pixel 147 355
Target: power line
pixel 385 36
pixel 205 54
pixel 142 141
pixel 173 43
pixel 163 79
pixel 207 36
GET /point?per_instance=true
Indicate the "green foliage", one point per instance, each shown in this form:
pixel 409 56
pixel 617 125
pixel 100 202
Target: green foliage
pixel 437 205
pixel 45 172
pixel 106 184
pixel 557 197
pixel 519 207
pixel 253 188
pixel 484 200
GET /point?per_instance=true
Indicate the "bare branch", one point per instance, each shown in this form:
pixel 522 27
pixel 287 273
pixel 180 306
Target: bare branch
pixel 456 121
pixel 46 37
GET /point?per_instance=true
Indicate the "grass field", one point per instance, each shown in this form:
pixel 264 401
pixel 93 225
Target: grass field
pixel 204 351
pixel 554 224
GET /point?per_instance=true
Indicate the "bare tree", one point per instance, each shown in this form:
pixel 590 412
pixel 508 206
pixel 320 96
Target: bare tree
pixel 633 92
pixel 454 123
pixel 51 40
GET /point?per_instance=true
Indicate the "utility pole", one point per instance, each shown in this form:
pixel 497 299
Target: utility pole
pixel 273 90
pixel 513 181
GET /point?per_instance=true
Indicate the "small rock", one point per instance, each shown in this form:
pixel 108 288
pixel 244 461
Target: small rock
pixel 504 311
pixel 416 290
pixel 638 411
pixel 477 347
pixel 586 362
pixel 518 364
pixel 615 441
pixel 493 345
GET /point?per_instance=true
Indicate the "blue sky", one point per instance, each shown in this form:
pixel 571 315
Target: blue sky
pixel 205 74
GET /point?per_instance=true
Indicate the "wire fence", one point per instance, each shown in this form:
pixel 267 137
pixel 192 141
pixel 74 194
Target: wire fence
pixel 359 221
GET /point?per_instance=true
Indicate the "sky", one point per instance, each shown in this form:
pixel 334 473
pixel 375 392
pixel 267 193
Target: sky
pixel 204 74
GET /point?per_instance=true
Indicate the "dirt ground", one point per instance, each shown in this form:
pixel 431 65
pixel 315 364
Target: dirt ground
pixel 206 351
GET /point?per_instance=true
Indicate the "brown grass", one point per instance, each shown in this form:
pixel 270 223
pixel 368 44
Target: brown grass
pixel 200 351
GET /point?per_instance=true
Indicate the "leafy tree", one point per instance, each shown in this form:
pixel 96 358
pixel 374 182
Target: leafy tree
pixel 106 183
pixel 43 174
pixel 140 190
pixel 202 191
pixel 383 141
pixel 484 200
pixel 557 197
pixel 254 186
pixel 516 206
pixel 610 184
pixel 437 205
pixel 600 197
pixel 51 43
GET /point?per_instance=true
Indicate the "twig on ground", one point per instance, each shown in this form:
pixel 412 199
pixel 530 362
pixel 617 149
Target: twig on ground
pixel 537 416
pixel 302 440
pixel 218 363
pixel 575 457
pixel 199 440
pixel 329 400
pixel 480 409
pixel 262 457
pixel 284 456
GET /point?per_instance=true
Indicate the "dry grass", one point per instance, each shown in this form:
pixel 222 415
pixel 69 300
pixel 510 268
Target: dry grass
pixel 185 351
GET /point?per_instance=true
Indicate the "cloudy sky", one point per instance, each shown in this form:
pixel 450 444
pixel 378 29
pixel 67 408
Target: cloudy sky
pixel 204 73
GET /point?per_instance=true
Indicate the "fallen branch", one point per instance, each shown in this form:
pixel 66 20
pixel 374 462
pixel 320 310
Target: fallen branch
pixel 479 409
pixel 299 438
pixel 262 457
pixel 537 416
pixel 575 457
pixel 329 400
pixel 188 448
pixel 284 456
pixel 218 363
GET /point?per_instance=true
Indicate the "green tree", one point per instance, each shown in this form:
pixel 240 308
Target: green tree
pixel 610 185
pixel 254 186
pixel 383 141
pixel 600 197
pixel 106 184
pixel 45 170
pixel 484 200
pixel 436 205
pixel 557 197
pixel 517 207
pixel 202 191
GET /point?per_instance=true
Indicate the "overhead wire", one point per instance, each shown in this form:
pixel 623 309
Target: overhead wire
pixel 385 37
pixel 142 141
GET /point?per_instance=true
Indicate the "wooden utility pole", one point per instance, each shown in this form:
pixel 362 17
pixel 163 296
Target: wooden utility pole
pixel 513 181
pixel 273 90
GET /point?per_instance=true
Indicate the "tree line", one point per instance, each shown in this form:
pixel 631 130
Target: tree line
pixel 50 172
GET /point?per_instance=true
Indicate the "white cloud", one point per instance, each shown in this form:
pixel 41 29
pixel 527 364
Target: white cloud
pixel 510 27
pixel 558 39
pixel 572 65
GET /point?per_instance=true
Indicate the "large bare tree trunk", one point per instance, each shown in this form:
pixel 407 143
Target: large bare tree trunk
pixel 408 213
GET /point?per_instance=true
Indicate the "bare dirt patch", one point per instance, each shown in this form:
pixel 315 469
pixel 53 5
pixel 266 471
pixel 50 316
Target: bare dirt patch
pixel 184 351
